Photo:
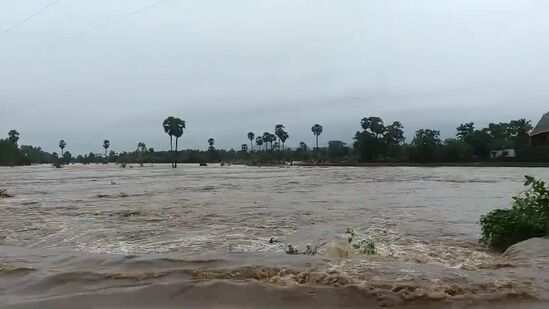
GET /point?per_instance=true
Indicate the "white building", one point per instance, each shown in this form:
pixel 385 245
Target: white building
pixel 503 153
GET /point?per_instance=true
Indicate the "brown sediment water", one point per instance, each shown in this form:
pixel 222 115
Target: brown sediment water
pixel 101 236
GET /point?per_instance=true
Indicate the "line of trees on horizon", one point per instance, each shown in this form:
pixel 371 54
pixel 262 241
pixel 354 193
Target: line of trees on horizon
pixel 374 142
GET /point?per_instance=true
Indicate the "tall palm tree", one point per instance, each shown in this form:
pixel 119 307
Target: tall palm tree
pixel 174 127
pixel 281 134
pixel 251 136
pixel 62 145
pixel 106 145
pixel 267 138
pixel 259 142
pixel 13 136
pixel 283 137
pixel 272 140
pixel 211 142
pixel 317 130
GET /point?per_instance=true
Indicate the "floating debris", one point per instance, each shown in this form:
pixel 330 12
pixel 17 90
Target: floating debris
pixel 4 193
pixel 112 195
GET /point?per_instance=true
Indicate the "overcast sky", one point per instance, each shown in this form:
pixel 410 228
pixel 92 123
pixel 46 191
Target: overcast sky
pixel 85 70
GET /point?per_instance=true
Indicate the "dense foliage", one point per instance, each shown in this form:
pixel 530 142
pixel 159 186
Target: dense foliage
pixel 528 218
pixel 376 142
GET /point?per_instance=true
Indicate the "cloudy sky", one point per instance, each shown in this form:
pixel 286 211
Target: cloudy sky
pixel 85 70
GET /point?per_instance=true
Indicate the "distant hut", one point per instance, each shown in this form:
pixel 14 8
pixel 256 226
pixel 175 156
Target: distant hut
pixel 540 135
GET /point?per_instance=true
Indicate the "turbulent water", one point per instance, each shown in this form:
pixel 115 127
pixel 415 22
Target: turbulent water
pixel 215 237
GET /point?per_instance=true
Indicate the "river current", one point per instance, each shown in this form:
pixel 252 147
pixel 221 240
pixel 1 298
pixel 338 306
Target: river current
pixel 101 236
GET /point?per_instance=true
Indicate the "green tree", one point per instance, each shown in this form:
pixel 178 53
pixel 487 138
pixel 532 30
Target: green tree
pixel 10 155
pixel 464 130
pixel 251 137
pixel 337 150
pixel 498 131
pixel 283 138
pixel 141 147
pixel 481 142
pixel 456 150
pixel 426 146
pixel 67 157
pixel 395 133
pixel 35 154
pixel 62 145
pixel 267 138
pixel 244 147
pixel 259 142
pixel 317 130
pixel 281 134
pixel 174 128
pixel 106 145
pixel 13 136
pixel 394 138
pixel 377 142
pixel 520 137
pixel 112 156
pixel 211 143
pixel 373 125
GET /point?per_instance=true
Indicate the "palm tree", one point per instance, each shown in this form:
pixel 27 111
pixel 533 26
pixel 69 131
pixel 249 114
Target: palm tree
pixel 62 145
pixel 106 145
pixel 251 136
pixel 174 127
pixel 244 147
pixel 317 130
pixel 273 139
pixel 211 142
pixel 267 138
pixel 259 142
pixel 281 134
pixel 13 136
pixel 283 137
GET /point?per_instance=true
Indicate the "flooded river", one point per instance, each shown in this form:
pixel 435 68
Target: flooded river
pixel 101 236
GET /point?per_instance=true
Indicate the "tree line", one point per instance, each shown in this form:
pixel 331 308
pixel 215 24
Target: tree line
pixel 373 142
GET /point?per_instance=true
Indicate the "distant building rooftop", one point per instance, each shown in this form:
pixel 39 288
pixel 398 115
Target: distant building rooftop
pixel 542 126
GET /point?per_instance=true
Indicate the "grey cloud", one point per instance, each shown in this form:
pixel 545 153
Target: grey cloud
pixel 228 67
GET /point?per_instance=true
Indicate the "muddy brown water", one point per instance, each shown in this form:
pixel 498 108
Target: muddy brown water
pixel 101 236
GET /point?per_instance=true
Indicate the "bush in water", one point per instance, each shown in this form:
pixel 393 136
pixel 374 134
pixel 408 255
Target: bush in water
pixel 361 243
pixel 528 218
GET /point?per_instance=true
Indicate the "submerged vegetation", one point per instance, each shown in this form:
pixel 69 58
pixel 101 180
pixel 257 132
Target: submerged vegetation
pixel 361 243
pixel 4 193
pixel 374 143
pixel 528 218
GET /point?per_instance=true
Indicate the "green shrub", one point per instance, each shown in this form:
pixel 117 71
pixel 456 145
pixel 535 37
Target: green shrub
pixel 528 218
pixel 361 243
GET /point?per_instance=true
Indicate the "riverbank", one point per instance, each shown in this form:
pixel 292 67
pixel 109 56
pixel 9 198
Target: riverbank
pixel 437 164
